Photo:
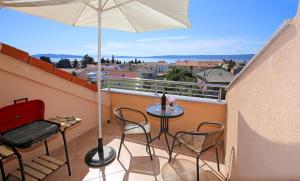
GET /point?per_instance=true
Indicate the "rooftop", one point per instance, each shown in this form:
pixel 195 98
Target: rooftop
pixel 215 76
pixel 202 63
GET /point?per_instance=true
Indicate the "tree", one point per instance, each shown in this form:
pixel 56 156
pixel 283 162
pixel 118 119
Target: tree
pixel 102 60
pixel 139 62
pixel 75 63
pixel 86 59
pixel 46 59
pixel 112 59
pixel 64 63
pixel 230 64
pixel 182 75
pixel 74 73
pixel 135 61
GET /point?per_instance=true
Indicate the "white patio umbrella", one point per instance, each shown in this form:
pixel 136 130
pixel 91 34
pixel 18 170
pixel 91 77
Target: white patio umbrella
pixel 126 15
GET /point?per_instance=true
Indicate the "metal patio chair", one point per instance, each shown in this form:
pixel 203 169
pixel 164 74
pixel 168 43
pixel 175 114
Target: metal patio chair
pixel 129 126
pixel 200 141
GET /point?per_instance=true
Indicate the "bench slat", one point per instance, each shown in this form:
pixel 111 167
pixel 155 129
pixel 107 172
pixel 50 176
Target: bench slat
pixel 53 160
pixel 46 163
pixel 38 167
pixel 17 174
pixel 34 173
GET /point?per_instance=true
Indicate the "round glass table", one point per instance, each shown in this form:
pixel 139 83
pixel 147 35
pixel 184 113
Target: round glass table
pixel 164 115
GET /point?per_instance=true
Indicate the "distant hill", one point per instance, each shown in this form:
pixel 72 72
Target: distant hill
pixel 57 55
pixel 241 57
pixel 245 57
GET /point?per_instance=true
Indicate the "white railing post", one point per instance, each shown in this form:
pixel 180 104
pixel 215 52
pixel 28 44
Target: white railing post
pixel 220 94
pixel 156 89
pixel 108 84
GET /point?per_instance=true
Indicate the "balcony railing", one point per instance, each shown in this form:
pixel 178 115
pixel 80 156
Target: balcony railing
pixel 211 91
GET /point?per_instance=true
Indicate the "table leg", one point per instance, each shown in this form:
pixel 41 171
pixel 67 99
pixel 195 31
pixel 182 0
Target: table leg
pixel 66 152
pixel 46 147
pixel 167 141
pixel 2 171
pixel 164 129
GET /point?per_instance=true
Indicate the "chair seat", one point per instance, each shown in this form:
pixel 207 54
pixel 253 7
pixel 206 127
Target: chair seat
pixel 26 135
pixel 135 129
pixel 194 142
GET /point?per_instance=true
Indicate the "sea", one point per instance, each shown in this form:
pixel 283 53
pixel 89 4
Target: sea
pixel 167 58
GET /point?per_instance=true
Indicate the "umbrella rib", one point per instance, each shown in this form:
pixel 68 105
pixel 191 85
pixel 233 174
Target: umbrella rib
pixel 187 25
pixel 127 18
pixel 118 5
pixel 105 4
pixel 81 11
pixel 91 6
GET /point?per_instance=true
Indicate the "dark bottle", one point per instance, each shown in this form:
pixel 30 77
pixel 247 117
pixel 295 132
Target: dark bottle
pixel 163 101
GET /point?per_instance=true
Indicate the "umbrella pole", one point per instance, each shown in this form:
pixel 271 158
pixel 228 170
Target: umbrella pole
pixel 101 155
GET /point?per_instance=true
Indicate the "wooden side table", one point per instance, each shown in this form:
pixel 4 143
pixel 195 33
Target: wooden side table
pixel 65 122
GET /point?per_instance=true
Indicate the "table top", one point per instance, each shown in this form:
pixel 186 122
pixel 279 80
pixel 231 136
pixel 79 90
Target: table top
pixel 65 122
pixel 156 111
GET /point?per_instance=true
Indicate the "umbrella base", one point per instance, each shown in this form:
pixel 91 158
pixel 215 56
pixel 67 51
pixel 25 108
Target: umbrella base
pixel 100 156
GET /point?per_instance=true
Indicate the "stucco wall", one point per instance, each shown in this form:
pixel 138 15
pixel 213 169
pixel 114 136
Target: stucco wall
pixel 263 118
pixel 194 112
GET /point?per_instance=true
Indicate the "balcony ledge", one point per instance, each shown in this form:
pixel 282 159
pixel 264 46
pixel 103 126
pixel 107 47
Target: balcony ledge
pixel 177 97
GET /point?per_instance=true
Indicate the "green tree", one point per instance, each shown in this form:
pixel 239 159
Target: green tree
pixel 46 59
pixel 182 75
pixel 230 64
pixel 112 59
pixel 64 63
pixel 86 59
pixel 75 63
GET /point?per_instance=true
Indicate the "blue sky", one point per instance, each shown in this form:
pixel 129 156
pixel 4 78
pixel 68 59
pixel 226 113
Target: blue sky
pixel 219 27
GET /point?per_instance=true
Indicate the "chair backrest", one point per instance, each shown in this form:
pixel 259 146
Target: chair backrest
pixel 19 114
pixel 119 117
pixel 126 116
pixel 213 136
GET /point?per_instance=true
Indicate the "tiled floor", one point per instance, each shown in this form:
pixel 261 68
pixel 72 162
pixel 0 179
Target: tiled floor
pixel 134 163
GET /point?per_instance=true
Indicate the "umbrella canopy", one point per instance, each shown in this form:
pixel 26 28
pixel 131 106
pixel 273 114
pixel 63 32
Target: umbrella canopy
pixel 126 15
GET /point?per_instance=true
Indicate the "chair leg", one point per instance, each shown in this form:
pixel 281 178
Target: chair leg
pixel 171 149
pixel 121 143
pixel 217 155
pixel 148 139
pixel 197 167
